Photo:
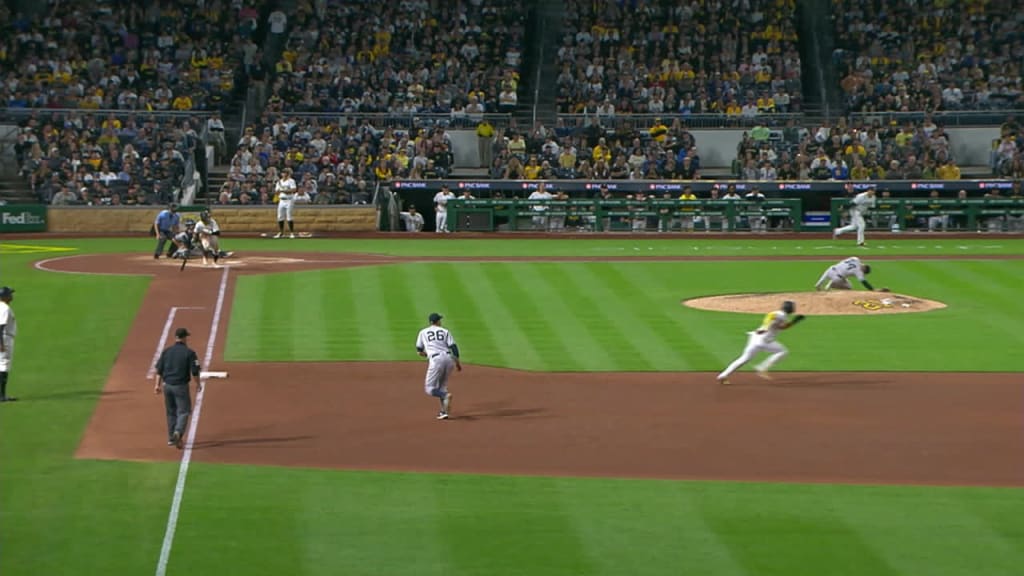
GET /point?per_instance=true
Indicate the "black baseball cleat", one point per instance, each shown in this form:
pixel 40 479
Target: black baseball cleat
pixel 8 399
pixel 178 440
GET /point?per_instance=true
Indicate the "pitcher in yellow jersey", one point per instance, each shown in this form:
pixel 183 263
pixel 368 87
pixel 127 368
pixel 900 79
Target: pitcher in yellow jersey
pixel 763 340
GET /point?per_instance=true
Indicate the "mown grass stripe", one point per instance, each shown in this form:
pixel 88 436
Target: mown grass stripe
pixel 470 322
pixel 513 343
pixel 369 312
pixel 543 337
pixel 400 323
pixel 679 347
pixel 664 517
pixel 337 306
pixel 585 317
pixel 770 536
pixel 938 519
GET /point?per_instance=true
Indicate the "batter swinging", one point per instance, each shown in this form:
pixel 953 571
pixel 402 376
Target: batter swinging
pixel 763 340
pixel 437 345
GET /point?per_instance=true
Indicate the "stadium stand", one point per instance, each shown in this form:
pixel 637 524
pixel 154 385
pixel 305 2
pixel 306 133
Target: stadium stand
pixel 679 57
pixel 909 55
pixel 404 58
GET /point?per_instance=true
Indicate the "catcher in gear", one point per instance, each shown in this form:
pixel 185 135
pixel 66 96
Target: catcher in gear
pixel 183 240
pixel 837 276
pixel 763 340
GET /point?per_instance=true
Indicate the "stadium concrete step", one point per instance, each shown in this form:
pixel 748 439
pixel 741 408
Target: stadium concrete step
pixel 16 191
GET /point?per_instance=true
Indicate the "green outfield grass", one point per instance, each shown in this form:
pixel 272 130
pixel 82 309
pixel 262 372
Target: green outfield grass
pixel 59 515
pixel 612 247
pixel 624 315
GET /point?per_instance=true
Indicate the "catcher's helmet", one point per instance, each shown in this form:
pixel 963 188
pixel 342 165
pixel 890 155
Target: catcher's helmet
pixel 190 223
pixel 789 307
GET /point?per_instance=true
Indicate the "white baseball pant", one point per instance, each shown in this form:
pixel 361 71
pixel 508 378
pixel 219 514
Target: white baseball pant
pixel 856 223
pixel 757 343
pixel 7 354
pixel 832 279
pixel 438 371
pixel 284 212
pixel 442 221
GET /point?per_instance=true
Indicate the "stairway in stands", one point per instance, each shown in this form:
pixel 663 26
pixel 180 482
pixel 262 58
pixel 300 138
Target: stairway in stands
pixel 538 88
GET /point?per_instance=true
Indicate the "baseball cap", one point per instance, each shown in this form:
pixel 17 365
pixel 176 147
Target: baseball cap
pixel 434 317
pixel 182 333
pixel 6 291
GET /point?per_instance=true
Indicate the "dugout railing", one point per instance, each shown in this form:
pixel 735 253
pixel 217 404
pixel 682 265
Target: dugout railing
pixel 631 214
pixel 1001 214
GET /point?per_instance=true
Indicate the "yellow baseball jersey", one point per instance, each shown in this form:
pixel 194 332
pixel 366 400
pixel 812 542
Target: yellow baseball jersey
pixel 772 323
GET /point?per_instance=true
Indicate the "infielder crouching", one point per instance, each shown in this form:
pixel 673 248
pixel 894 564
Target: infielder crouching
pixel 763 340
pixel 837 277
pixel 437 345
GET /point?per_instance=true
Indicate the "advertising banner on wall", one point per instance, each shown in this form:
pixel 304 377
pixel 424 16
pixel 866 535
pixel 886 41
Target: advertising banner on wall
pixel 22 218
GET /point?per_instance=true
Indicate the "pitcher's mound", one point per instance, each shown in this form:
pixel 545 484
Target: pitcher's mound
pixel 834 302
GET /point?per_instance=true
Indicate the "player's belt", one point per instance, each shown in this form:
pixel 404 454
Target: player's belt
pixel 437 354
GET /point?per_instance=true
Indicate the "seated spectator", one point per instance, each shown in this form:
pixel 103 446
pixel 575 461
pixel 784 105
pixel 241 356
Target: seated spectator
pixel 688 58
pixel 906 55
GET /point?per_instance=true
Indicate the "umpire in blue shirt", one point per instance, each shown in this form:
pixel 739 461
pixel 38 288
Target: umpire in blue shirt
pixel 177 366
pixel 165 227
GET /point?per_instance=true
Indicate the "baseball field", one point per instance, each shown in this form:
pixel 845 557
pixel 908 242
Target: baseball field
pixel 588 434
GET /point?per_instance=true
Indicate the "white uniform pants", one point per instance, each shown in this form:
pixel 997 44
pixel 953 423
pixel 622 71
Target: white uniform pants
pixel 438 371
pixel 7 354
pixel 442 221
pixel 832 279
pixel 284 212
pixel 856 223
pixel 757 343
pixel 210 244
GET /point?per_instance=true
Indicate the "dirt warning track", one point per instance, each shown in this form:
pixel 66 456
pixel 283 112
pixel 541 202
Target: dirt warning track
pixel 957 428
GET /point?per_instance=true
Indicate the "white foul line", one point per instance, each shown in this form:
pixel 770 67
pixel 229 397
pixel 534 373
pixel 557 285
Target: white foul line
pixel 179 488
pixel 163 337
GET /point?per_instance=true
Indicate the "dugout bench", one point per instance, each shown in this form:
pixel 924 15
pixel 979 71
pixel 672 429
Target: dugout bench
pixel 624 215
pixel 971 214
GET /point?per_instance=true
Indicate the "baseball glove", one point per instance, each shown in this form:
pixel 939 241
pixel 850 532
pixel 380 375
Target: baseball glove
pixel 797 319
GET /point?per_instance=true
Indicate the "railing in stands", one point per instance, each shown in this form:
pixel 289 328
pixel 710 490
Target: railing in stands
pixel 21 114
pixel 691 120
pixel 993 117
pixel 401 120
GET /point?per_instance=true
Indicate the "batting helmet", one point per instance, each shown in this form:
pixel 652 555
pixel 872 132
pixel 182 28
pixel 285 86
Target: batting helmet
pixel 789 306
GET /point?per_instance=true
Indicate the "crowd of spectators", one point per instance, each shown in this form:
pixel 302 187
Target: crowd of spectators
pixel 408 57
pixel 848 150
pixel 679 57
pixel 119 54
pixel 109 159
pixel 916 55
pixel 334 162
pixel 664 151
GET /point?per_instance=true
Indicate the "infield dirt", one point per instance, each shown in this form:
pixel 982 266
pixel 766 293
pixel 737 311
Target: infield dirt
pixel 934 428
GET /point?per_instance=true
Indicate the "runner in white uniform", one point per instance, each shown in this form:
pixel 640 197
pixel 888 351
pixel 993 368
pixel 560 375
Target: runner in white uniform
pixel 861 203
pixel 286 194
pixel 441 209
pixel 437 345
pixel 763 340
pixel 837 277
pixel 8 330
